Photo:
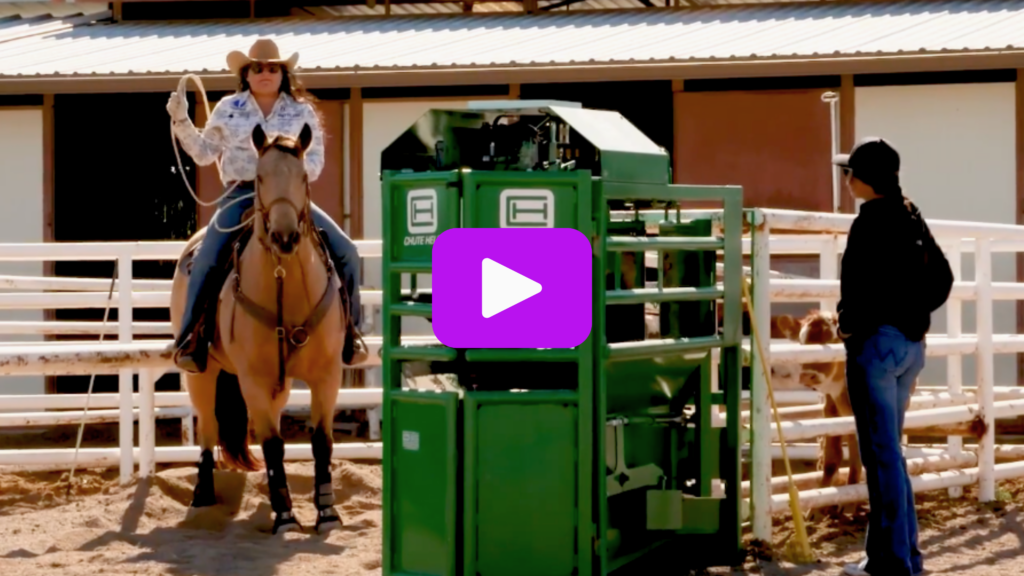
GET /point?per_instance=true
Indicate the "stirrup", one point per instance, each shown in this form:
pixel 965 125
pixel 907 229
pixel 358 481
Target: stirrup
pixel 355 350
pixel 189 356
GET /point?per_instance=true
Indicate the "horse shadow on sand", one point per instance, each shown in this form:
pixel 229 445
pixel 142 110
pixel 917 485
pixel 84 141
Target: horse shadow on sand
pixel 216 541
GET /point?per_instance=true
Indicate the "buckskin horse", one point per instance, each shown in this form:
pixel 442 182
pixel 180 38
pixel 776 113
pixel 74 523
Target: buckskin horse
pixel 279 316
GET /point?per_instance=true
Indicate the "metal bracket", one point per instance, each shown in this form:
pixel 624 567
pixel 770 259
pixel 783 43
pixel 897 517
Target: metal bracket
pixel 623 479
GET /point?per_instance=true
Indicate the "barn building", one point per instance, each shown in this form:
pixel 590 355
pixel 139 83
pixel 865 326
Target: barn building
pixel 732 88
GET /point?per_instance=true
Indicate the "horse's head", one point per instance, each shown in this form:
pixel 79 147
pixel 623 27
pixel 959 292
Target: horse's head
pixel 282 188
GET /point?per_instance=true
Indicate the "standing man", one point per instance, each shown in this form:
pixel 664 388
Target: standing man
pixel 893 277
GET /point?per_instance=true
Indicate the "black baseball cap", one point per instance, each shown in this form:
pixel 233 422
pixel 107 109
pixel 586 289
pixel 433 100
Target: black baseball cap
pixel 870 159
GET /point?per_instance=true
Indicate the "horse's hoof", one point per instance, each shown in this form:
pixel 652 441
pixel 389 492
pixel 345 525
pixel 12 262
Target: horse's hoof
pixel 203 499
pixel 327 520
pixel 285 522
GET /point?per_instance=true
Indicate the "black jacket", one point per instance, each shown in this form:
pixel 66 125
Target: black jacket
pixel 885 276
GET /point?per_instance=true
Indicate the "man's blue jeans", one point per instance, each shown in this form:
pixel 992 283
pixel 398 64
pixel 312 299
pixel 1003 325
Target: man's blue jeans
pixel 880 374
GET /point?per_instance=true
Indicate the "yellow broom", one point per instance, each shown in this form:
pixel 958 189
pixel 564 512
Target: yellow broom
pixel 798 549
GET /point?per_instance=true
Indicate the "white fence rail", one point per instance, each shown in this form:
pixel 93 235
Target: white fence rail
pixel 148 358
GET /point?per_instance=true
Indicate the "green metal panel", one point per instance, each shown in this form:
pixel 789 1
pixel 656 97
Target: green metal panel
pixel 520 483
pixel 640 385
pixel 422 460
pixel 522 200
pixel 423 206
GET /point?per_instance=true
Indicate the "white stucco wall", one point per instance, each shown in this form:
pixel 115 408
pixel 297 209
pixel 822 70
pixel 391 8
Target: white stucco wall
pixel 21 220
pixel 957 146
pixel 383 122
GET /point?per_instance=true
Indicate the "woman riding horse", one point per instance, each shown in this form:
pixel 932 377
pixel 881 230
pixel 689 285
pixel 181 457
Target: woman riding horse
pixel 271 96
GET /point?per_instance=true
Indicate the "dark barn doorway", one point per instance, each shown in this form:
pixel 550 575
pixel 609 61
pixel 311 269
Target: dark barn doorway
pixel 116 179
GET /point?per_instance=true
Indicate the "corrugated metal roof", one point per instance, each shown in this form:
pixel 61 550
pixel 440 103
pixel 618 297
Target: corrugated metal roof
pixel 20 19
pixel 514 7
pixel 819 29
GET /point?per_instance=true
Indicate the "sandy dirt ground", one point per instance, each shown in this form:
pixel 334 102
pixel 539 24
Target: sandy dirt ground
pixel 958 536
pixel 103 528
pixel 142 528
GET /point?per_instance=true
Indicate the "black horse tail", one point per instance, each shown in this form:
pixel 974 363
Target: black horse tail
pixel 233 424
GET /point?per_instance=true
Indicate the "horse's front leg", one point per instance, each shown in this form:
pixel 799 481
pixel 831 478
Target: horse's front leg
pixel 265 401
pixel 202 390
pixel 277 481
pixel 324 398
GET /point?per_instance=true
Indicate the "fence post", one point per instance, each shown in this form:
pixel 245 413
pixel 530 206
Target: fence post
pixel 828 266
pixel 985 368
pixel 124 325
pixel 760 408
pixel 955 362
pixel 147 422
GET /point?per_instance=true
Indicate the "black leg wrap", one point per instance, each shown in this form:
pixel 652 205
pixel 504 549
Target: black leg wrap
pixel 327 517
pixel 277 481
pixel 322 445
pixel 204 494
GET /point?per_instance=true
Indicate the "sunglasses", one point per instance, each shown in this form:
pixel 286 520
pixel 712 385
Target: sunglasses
pixel 259 68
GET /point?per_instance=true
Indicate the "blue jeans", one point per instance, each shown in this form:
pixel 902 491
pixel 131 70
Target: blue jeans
pixel 210 260
pixel 880 373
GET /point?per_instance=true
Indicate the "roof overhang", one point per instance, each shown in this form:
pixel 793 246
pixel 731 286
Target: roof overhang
pixel 744 41
pixel 522 74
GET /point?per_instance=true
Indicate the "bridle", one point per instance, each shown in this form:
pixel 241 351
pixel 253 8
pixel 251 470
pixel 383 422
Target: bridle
pixel 305 214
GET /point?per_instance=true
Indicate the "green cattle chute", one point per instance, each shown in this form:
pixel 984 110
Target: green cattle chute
pixel 602 459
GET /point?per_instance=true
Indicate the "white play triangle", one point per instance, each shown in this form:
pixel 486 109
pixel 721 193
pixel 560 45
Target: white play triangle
pixel 504 288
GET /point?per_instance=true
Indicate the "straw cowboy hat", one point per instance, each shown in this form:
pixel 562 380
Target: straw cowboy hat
pixel 262 50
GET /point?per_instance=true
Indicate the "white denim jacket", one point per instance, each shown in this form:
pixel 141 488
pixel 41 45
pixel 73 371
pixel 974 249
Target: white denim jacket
pixel 228 134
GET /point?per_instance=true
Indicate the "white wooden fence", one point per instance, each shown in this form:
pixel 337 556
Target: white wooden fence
pixel 940 468
pixel 950 468
pixel 123 356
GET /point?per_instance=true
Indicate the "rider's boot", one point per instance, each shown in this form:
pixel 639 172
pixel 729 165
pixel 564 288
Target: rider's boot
pixel 355 350
pixel 192 345
pixel 192 352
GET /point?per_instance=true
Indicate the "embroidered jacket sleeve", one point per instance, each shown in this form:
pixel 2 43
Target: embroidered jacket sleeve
pixel 206 145
pixel 314 157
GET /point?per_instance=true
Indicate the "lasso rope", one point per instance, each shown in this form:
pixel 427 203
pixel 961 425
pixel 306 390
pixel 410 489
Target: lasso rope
pixel 88 394
pixel 182 84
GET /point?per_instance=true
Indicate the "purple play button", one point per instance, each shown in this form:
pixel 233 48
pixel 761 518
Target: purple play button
pixel 512 287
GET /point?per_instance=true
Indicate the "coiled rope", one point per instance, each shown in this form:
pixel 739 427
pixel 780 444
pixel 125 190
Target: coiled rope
pixel 182 84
